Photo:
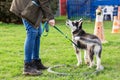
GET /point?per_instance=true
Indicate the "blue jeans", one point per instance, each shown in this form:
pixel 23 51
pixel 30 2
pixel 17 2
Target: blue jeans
pixel 32 41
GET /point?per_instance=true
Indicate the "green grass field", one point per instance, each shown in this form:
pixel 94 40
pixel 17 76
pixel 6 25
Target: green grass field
pixel 55 50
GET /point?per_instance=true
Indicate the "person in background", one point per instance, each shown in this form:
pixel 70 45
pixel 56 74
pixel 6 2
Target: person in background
pixel 32 12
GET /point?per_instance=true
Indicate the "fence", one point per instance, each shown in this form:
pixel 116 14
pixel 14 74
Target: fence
pixel 86 8
pixel 78 8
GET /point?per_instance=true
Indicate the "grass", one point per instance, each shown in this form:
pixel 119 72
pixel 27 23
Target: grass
pixel 55 49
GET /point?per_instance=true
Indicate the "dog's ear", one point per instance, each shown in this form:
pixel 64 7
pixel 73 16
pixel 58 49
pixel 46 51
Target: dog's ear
pixel 80 19
pixel 80 25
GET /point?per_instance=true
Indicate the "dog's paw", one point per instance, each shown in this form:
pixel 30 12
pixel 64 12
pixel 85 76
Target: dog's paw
pixel 91 65
pixel 87 63
pixel 77 38
pixel 100 68
pixel 78 64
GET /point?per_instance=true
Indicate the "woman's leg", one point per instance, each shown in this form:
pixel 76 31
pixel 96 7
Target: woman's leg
pixel 37 44
pixel 36 59
pixel 30 40
pixel 29 68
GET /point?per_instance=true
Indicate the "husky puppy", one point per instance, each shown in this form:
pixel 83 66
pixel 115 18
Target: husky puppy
pixel 90 43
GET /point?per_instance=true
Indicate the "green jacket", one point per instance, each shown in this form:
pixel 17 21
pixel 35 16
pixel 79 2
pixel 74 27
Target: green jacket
pixel 34 14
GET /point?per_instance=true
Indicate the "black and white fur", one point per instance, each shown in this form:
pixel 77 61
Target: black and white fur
pixel 90 43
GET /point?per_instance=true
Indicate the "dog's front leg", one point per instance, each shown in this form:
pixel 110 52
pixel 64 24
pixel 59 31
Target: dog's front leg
pixel 78 55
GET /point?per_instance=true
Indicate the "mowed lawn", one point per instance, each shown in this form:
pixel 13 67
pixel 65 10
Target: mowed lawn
pixel 57 50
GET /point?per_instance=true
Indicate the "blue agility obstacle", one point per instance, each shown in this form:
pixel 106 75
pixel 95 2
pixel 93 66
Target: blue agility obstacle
pixel 86 8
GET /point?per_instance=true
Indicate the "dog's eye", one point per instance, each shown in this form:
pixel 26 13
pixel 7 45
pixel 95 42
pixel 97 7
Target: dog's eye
pixel 67 24
pixel 73 23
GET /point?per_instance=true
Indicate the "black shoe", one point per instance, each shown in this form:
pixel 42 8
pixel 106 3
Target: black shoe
pixel 29 69
pixel 39 64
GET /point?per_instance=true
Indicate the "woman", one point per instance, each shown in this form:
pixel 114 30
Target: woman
pixel 32 12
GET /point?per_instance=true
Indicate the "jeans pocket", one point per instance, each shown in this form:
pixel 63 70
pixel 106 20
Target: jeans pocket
pixel 28 26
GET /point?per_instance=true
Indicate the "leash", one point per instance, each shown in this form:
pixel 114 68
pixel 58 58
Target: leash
pixel 84 74
pixel 65 36
pixel 45 29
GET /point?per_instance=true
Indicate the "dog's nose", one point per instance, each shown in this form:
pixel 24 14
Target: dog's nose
pixel 67 23
pixel 67 20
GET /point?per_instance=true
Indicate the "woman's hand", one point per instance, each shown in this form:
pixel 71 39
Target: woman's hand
pixel 52 22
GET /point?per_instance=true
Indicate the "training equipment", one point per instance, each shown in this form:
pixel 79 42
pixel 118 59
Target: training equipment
pixel 119 17
pixel 116 22
pixel 115 28
pixel 99 30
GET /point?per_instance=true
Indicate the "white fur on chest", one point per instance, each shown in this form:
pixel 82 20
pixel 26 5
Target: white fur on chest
pixel 77 38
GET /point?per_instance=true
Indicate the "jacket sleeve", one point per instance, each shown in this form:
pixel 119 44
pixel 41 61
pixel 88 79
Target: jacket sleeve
pixel 45 6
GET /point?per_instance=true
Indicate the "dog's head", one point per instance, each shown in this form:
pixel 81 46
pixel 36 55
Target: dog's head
pixel 75 25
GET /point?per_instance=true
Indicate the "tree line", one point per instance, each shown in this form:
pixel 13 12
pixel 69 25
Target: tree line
pixel 8 17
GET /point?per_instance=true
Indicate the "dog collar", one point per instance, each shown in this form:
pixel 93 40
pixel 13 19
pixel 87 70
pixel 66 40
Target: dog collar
pixel 75 32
